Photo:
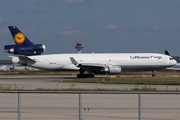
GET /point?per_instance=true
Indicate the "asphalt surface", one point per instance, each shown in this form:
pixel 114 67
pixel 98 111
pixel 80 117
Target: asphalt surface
pixel 90 101
pixel 52 82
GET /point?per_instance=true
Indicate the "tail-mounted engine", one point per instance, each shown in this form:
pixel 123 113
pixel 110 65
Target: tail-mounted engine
pixel 17 49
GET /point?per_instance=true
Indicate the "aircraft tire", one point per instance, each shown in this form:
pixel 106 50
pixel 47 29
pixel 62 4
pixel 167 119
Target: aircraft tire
pixel 91 75
pixel 79 75
pixel 85 75
pixel 153 75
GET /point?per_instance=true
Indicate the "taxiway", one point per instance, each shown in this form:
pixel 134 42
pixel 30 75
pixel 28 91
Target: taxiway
pixel 32 82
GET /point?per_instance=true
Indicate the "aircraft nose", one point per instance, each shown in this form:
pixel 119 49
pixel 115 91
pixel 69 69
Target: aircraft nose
pixel 174 62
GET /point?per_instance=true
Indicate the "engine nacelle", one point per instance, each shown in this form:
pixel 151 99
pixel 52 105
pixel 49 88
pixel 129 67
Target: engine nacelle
pixel 113 70
pixel 35 49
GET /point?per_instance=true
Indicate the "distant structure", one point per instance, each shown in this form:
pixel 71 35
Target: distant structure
pixel 6 62
pixel 79 47
pixel 9 65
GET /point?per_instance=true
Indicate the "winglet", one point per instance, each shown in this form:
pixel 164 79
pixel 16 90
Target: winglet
pixel 73 61
pixel 167 53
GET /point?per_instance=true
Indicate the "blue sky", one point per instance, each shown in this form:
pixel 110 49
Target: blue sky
pixel 103 26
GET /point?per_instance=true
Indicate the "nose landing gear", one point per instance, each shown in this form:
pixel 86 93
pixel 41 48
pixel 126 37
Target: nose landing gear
pixel 153 75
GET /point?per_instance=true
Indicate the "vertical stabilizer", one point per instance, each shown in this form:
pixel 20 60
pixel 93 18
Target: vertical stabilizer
pixel 19 37
pixel 167 53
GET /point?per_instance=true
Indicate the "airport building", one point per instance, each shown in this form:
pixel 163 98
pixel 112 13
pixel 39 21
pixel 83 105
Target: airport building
pixel 5 62
pixel 9 65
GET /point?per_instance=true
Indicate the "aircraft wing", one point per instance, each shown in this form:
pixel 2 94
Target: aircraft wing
pixel 87 65
pixel 91 66
pixel 24 59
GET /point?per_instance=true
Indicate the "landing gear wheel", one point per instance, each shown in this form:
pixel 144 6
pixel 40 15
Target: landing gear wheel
pixel 153 75
pixel 79 75
pixel 91 75
pixel 85 75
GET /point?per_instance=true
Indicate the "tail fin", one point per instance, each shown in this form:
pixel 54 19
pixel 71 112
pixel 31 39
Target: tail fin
pixel 167 53
pixel 19 37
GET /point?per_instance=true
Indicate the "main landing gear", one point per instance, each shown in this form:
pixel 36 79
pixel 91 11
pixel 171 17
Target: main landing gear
pixel 153 75
pixel 81 75
pixel 85 75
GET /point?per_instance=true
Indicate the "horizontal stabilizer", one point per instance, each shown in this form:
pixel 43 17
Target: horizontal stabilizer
pixel 25 59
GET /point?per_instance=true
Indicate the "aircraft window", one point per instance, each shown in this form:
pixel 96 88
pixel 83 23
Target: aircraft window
pixel 170 59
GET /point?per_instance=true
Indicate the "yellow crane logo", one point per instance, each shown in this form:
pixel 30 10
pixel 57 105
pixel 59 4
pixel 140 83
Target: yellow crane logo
pixel 19 38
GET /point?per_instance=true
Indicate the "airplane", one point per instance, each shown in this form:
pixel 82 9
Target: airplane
pixel 98 63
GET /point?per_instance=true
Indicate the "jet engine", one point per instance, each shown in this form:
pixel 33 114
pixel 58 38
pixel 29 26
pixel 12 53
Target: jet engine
pixel 35 49
pixel 113 70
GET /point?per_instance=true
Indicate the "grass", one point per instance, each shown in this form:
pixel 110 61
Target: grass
pixel 136 89
pixel 118 80
pixel 9 88
pixel 132 80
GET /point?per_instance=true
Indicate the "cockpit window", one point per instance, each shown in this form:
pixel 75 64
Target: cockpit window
pixel 170 58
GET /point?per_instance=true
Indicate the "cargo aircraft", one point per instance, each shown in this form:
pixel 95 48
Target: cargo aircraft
pixel 29 54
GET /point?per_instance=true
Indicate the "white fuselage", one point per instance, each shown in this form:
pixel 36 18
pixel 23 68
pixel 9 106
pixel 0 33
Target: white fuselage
pixel 127 61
